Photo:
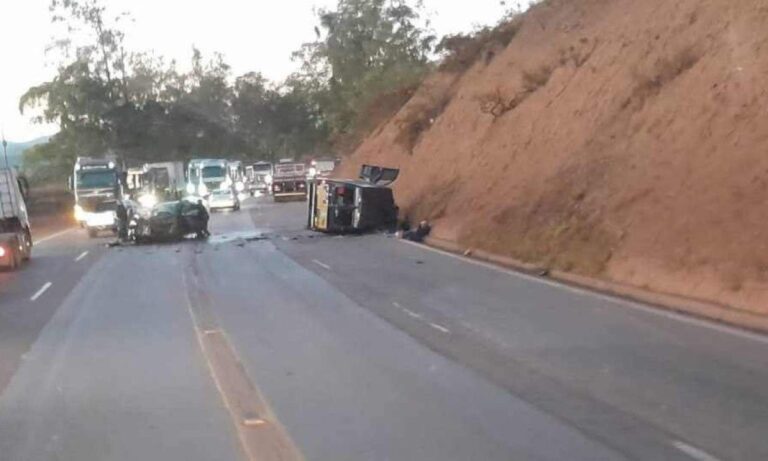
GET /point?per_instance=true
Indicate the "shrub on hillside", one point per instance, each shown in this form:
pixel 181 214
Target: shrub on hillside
pixel 461 51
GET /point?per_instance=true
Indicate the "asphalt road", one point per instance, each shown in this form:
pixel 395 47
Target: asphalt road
pixel 354 348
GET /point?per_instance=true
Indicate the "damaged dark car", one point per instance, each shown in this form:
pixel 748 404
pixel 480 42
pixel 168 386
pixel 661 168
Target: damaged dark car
pixel 169 221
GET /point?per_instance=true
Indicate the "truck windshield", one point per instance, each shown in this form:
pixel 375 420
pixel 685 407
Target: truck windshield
pixel 160 178
pixel 214 172
pixel 262 168
pixel 96 179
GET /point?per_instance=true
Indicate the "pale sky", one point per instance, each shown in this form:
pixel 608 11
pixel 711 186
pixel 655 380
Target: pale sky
pixel 253 35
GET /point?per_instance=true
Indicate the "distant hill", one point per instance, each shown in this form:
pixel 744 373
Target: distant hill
pixel 16 149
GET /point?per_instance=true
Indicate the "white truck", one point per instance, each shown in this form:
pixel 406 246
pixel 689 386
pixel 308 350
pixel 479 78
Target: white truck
pixel 15 235
pixel 210 180
pixel 237 174
pixel 259 177
pixel 98 188
pixel 195 182
pixel 161 182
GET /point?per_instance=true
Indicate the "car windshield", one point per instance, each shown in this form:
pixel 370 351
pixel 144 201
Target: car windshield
pixel 214 172
pixel 166 208
pixel 96 179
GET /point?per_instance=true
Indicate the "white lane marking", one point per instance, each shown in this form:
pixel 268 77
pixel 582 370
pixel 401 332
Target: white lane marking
pixel 52 236
pixel 40 291
pixel 657 311
pixel 412 314
pixel 324 266
pixel 440 328
pixel 695 453
pixel 82 255
pixel 408 311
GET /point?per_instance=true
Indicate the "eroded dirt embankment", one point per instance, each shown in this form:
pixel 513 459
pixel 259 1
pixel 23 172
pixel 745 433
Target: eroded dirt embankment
pixel 615 138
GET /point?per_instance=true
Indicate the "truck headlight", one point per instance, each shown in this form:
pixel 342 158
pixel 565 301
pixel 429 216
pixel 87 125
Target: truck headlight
pixel 312 172
pixel 190 188
pixel 239 186
pixel 148 200
pixel 203 189
pixel 268 179
pixel 79 213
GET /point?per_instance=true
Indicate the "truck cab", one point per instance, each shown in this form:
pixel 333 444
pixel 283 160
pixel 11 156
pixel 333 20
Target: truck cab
pixel 260 176
pixel 207 175
pixel 97 186
pixel 15 234
pixel 237 174
pixel 163 181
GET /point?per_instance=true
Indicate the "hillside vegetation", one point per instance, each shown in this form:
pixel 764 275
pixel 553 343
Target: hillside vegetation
pixel 613 138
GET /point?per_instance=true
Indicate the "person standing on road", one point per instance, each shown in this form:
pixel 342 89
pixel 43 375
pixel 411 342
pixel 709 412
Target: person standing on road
pixel 122 221
pixel 204 217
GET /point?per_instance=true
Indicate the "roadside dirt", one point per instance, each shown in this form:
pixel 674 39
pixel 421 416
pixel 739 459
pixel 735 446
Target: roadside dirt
pixel 612 138
pixel 50 210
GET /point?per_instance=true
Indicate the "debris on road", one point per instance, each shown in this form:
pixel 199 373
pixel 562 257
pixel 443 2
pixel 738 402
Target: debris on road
pixel 257 238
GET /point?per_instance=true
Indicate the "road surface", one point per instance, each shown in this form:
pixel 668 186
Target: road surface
pixel 270 342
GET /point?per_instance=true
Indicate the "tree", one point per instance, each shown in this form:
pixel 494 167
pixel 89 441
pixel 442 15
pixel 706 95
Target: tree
pixel 364 48
pixel 106 98
pixel 275 121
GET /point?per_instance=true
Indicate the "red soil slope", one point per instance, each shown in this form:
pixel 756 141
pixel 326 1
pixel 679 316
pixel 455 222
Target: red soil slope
pixel 622 139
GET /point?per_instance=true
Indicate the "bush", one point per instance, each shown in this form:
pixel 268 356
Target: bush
pixel 649 84
pixel 463 50
pixel 418 119
pixel 535 79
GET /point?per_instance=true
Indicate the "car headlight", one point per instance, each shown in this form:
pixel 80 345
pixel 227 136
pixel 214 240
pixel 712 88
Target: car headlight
pixel 79 213
pixel 148 200
pixel 190 188
pixel 203 189
pixel 240 186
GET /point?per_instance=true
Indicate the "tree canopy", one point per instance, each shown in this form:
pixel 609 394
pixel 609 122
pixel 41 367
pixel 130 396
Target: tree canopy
pixel 108 99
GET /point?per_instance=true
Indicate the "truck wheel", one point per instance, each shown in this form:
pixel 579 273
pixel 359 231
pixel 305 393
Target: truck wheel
pixel 26 243
pixel 13 259
pixel 92 233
